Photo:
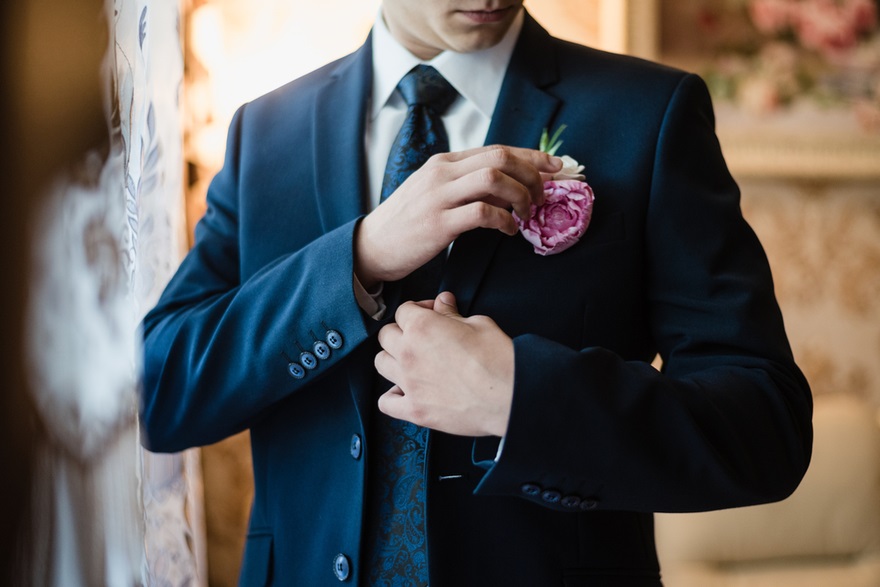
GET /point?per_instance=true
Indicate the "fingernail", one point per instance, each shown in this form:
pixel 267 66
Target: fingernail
pixel 556 161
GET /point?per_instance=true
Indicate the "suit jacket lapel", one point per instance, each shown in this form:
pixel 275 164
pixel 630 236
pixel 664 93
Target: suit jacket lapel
pixel 338 137
pixel 524 109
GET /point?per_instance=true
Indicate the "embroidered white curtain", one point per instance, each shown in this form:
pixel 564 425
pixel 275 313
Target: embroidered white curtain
pixel 107 238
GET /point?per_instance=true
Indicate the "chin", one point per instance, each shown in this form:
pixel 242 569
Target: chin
pixel 484 43
pixel 476 40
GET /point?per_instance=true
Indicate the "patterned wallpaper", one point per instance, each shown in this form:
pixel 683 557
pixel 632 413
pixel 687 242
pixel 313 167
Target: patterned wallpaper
pixel 823 241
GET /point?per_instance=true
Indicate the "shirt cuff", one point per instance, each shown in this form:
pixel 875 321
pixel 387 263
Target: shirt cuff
pixel 371 302
pixel 500 448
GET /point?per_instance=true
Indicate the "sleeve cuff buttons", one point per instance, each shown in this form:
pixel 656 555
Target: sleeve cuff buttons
pixel 553 497
pixel 296 370
pixel 309 361
pixel 334 339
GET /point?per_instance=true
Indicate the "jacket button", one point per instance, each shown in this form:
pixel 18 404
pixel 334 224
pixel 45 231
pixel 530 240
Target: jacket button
pixel 589 504
pixel 356 447
pixel 322 351
pixel 551 496
pixel 531 489
pixel 308 360
pixel 571 502
pixel 296 371
pixel 341 567
pixel 334 339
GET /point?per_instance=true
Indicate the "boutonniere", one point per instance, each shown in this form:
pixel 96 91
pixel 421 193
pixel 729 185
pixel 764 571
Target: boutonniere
pixel 563 218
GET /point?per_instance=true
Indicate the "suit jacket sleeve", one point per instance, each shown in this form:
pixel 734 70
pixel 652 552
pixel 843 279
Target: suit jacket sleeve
pixel 727 422
pixel 217 348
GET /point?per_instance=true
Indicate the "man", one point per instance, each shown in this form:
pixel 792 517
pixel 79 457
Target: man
pixel 277 319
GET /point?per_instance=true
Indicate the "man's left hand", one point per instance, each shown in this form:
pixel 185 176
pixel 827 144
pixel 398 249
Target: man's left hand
pixel 451 373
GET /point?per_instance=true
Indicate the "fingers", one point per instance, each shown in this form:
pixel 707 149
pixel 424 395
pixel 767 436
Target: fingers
pixel 396 404
pixel 410 321
pixel 386 365
pixel 415 318
pixel 511 175
pixel 501 190
pixel 407 316
pixel 389 334
pixel 505 176
pixel 393 403
pixel 445 304
pixel 539 160
pixel 481 215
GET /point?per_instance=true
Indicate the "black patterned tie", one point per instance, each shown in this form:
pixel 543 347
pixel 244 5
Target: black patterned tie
pixel 427 95
pixel 396 543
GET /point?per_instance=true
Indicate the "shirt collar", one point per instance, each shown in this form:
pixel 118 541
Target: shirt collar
pixel 477 76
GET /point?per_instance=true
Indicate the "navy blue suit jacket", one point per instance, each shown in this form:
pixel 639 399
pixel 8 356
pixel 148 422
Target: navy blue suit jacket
pixel 597 439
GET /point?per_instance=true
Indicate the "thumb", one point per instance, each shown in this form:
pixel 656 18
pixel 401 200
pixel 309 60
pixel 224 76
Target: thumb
pixel 391 403
pixel 445 304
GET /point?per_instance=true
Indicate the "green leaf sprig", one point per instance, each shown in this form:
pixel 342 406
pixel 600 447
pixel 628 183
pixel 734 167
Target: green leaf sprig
pixel 550 144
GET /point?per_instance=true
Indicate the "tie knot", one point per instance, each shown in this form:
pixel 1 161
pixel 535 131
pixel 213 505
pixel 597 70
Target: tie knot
pixel 424 85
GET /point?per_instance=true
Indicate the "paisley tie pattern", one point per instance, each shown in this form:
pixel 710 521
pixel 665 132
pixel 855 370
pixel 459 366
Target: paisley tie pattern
pixel 427 95
pixel 396 542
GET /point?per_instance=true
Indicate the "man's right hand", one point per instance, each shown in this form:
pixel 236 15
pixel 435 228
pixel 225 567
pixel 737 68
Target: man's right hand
pixel 451 194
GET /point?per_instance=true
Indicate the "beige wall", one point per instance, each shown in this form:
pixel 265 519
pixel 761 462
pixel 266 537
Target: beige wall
pixel 823 241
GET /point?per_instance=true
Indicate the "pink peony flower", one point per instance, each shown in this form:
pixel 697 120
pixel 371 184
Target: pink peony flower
pixel 563 218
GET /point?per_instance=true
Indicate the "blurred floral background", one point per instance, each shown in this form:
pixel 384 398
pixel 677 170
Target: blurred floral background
pixel 767 55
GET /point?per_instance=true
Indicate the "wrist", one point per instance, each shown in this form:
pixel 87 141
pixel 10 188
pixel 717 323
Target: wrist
pixel 364 260
pixel 505 383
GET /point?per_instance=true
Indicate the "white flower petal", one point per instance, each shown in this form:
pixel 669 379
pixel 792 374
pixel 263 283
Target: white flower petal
pixel 570 169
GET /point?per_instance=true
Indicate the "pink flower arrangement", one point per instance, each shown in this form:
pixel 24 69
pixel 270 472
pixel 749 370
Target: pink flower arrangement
pixel 825 26
pixel 563 218
pixel 794 53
